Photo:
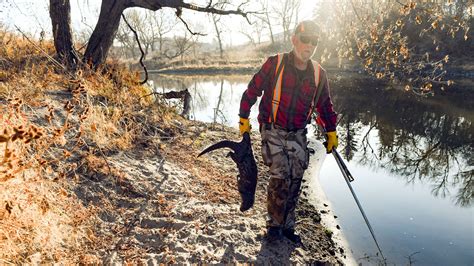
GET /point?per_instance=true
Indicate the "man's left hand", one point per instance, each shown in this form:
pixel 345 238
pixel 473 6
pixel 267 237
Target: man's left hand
pixel 244 125
pixel 331 142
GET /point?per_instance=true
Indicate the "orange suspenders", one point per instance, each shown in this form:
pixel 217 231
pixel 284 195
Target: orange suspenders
pixel 317 92
pixel 277 88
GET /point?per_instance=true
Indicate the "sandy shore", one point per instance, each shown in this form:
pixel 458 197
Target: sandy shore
pixel 171 207
pixel 318 199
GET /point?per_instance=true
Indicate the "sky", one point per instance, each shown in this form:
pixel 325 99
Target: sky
pixel 32 16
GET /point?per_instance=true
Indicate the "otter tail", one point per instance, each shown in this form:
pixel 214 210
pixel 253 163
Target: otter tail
pixel 221 144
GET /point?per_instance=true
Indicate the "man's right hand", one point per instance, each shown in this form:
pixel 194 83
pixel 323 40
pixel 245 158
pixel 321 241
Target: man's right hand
pixel 331 141
pixel 244 125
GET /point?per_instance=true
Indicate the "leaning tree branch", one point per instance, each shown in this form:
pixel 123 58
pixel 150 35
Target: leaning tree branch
pixel 178 4
pixel 214 10
pixel 141 49
pixel 187 26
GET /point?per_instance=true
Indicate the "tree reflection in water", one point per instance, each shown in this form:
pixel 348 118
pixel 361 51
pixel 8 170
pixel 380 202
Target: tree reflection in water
pixel 213 95
pixel 217 110
pixel 429 140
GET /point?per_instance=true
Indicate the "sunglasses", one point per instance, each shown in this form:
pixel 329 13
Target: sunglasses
pixel 305 39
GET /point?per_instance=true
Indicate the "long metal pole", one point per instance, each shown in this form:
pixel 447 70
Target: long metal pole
pixel 348 177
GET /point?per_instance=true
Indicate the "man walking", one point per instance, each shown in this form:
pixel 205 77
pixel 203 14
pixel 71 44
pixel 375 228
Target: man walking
pixel 293 86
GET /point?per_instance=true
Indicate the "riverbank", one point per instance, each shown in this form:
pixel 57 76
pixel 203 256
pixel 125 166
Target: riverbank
pixel 459 71
pixel 187 209
pixel 200 221
pixel 107 196
pixel 223 67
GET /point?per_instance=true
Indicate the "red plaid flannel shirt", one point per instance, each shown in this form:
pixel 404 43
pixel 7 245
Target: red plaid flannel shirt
pixel 296 96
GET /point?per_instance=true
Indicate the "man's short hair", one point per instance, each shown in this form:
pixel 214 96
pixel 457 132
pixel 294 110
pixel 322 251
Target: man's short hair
pixel 307 27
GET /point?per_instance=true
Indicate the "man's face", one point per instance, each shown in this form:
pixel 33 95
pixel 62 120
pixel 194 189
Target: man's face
pixel 304 45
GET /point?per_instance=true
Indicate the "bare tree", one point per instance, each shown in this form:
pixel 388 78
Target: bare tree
pixel 287 11
pixel 196 45
pixel 109 19
pixel 182 44
pixel 164 24
pixel 60 12
pixel 126 40
pixel 258 31
pixel 253 33
pixel 266 17
pixel 219 25
pixel 141 21
pixel 218 30
pixel 151 28
pixel 249 36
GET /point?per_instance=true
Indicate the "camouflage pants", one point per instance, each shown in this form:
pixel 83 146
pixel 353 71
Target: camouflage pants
pixel 287 156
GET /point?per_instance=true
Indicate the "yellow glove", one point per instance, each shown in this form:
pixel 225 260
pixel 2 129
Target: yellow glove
pixel 331 141
pixel 244 125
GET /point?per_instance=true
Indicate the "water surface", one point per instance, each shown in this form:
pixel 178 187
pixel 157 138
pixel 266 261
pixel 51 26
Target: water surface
pixel 412 159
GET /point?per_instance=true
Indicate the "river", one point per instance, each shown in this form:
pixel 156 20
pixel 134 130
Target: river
pixel 411 157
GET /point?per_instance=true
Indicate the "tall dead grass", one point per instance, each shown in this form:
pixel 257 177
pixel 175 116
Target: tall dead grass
pixel 50 123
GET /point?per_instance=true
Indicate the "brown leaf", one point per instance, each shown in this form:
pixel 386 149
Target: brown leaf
pixel 3 138
pixel 8 207
pixel 446 58
pixel 44 205
pixel 418 20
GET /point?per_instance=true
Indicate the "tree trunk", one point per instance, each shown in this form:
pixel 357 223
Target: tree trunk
pixel 147 47
pixel 104 33
pixel 160 43
pixel 60 12
pixel 269 24
pixel 218 35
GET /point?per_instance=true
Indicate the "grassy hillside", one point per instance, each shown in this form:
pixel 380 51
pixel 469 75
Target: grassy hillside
pixel 56 128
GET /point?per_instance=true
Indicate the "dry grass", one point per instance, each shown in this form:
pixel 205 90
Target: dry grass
pixel 41 222
pixel 50 124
